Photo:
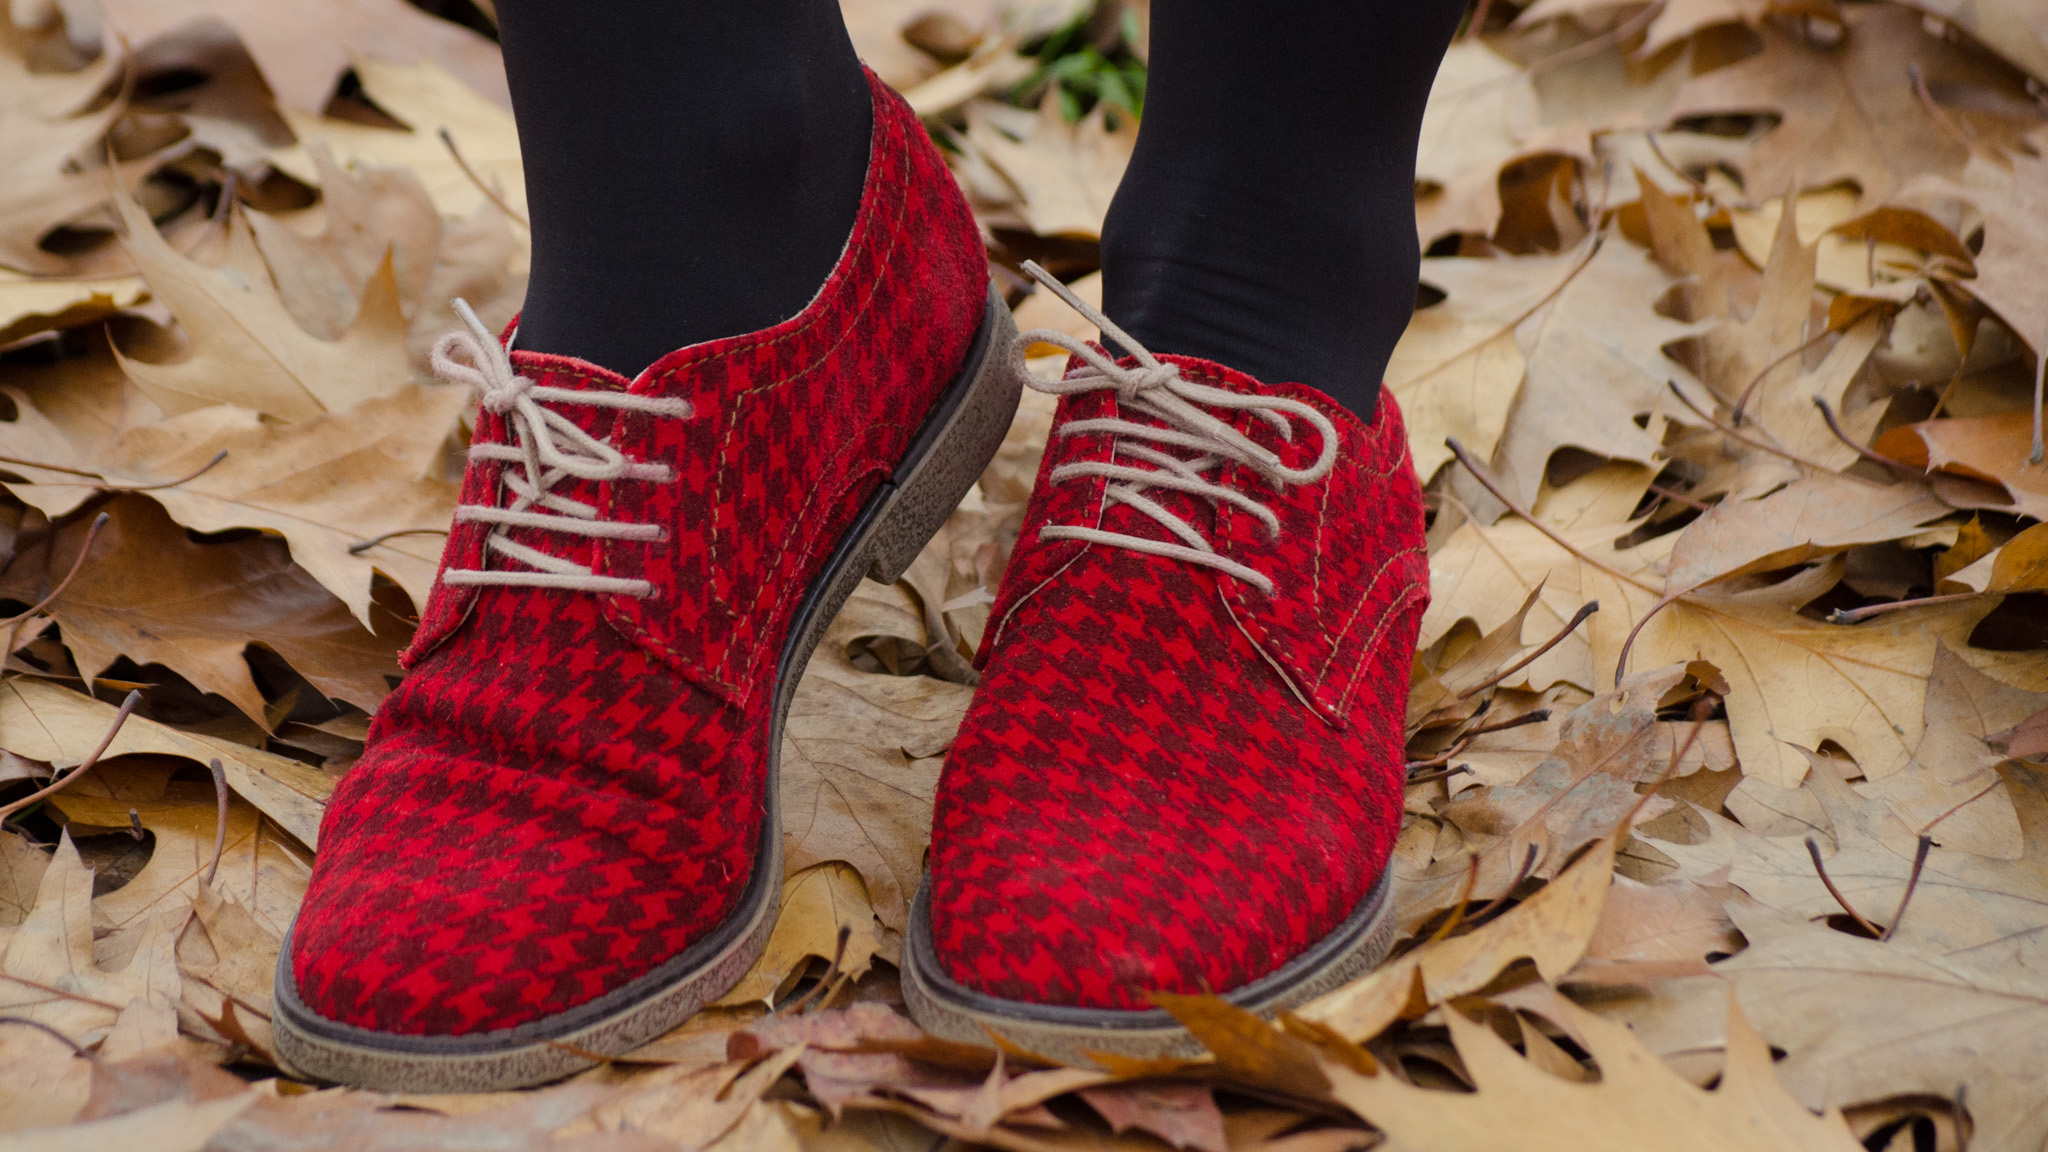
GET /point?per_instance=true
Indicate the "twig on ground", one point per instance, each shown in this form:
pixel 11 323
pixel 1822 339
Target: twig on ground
pixel 362 546
pixel 1858 615
pixel 220 823
pixel 64 781
pixel 490 193
pixel 38 1025
pixel 1827 413
pixel 1735 416
pixel 1813 850
pixel 77 563
pixel 1533 716
pixel 1738 437
pixel 1912 880
pixel 1681 498
pixel 1521 874
pixel 103 486
pixel 1585 610
pixel 1433 777
pixel 1443 757
pixel 1464 899
pixel 1487 482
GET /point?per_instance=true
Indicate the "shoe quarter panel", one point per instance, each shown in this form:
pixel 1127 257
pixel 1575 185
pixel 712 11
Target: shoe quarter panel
pixel 1349 566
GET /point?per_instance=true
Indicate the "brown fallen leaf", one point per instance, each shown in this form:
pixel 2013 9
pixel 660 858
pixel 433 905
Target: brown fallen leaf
pixel 1807 519
pixel 1551 928
pixel 860 766
pixel 1952 777
pixel 428 99
pixel 45 722
pixel 2028 739
pixel 1637 1103
pixel 1653 931
pixel 1248 1049
pixel 1459 364
pixel 21 874
pixel 1946 1020
pixel 693 1108
pixel 123 1086
pixel 202 607
pixel 261 873
pixel 1065 173
pixel 43 1081
pixel 1993 449
pixel 246 348
pixel 1481 109
pixel 48 973
pixel 1982 910
pixel 304 47
pixel 45 130
pixel 1845 113
pixel 818 905
pixel 1183 1115
pixel 321 279
pixel 325 484
pixel 834 1071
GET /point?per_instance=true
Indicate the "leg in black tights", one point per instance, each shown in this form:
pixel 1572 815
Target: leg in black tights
pixel 692 168
pixel 1267 220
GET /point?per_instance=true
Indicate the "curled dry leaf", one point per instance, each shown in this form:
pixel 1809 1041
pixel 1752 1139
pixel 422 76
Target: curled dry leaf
pixel 1065 173
pixel 1638 1102
pixel 1550 928
pixel 1948 1021
pixel 818 904
pixel 202 607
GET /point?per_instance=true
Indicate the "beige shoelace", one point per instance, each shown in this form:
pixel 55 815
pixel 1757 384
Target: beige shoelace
pixel 548 447
pixel 1157 390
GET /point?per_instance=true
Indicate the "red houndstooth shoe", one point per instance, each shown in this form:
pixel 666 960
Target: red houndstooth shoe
pixel 1182 771
pixel 563 836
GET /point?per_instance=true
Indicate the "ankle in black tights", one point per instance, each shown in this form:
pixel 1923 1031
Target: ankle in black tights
pixel 692 169
pixel 1267 220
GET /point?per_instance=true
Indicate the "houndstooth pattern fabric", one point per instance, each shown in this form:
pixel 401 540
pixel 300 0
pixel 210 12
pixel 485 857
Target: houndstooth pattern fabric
pixel 568 789
pixel 1168 780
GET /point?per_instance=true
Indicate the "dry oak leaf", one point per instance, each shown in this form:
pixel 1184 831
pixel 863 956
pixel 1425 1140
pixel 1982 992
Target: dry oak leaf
pixel 21 874
pixel 42 721
pixel 1806 519
pixel 54 169
pixel 1482 109
pixel 246 348
pixel 693 1107
pixel 49 975
pixel 1793 681
pixel 33 304
pixel 860 767
pixel 1847 111
pixel 1954 766
pixel 324 484
pixel 1551 928
pixel 1066 173
pixel 1654 931
pixel 1978 910
pixel 43 1083
pixel 1993 449
pixel 1595 364
pixel 428 99
pixel 818 903
pixel 2015 29
pixel 1638 1102
pixel 827 1042
pixel 201 607
pixel 1578 794
pixel 2015 208
pixel 1859 1019
pixel 259 870
pixel 1182 1114
pixel 1459 365
pixel 304 46
pixel 321 279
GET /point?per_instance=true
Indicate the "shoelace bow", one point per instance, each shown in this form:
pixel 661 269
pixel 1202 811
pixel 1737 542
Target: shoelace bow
pixel 548 447
pixel 1158 390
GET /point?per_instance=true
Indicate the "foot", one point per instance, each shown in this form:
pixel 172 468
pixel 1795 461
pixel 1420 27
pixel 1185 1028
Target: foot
pixel 1182 770
pixel 562 837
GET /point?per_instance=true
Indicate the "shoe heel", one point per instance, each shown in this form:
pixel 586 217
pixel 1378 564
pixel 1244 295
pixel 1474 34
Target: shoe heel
pixel 929 490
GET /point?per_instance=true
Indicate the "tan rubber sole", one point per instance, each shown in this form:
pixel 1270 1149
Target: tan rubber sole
pixel 943 462
pixel 1070 1035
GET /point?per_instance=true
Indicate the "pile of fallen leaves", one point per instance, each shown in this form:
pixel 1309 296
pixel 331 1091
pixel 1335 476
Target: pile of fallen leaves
pixel 1726 825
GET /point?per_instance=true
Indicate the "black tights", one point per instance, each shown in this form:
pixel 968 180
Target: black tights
pixel 693 170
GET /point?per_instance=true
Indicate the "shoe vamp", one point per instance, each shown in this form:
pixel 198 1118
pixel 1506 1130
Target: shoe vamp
pixel 544 813
pixel 1138 802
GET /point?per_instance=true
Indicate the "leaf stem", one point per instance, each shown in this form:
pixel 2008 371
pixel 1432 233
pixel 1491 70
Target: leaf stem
pixel 1585 610
pixel 1813 850
pixel 64 781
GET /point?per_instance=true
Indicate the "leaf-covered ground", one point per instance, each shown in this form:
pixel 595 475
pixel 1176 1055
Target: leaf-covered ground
pixel 1732 326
